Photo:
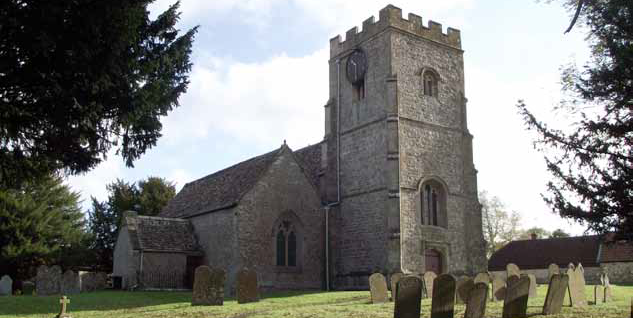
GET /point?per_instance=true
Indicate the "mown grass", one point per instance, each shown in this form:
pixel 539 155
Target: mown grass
pixel 117 304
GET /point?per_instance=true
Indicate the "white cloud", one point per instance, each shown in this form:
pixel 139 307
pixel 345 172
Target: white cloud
pixel 94 182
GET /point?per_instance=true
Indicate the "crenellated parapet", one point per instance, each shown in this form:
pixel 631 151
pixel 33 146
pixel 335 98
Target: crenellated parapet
pixel 391 16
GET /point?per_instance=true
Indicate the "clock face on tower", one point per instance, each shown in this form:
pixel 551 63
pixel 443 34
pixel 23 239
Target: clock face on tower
pixel 356 66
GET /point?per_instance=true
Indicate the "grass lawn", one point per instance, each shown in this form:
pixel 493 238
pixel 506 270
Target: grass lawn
pixel 117 304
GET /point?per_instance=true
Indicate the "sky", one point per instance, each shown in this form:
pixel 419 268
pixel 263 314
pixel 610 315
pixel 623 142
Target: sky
pixel 259 77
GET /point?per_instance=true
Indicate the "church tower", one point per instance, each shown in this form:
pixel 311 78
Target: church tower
pixel 398 165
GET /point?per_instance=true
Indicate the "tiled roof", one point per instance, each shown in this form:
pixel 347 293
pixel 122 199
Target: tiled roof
pixel 539 253
pixel 617 251
pixel 161 234
pixel 310 160
pixel 218 190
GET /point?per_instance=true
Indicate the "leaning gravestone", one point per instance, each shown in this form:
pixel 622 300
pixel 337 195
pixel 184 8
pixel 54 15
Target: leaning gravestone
pixel 482 278
pixel 378 288
pixel 555 294
pixel 465 285
pixel 48 280
pixel 515 303
pixel 476 305
pixel 6 284
pixel 551 270
pixel 247 288
pixel 408 297
pixel 498 289
pixel 70 283
pixel 512 270
pixel 395 278
pixel 208 286
pixel 429 277
pixel 576 287
pixel 443 302
pixel 532 285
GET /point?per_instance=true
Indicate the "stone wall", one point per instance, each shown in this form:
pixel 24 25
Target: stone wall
pixel 619 272
pixel 592 275
pixel 163 270
pixel 126 260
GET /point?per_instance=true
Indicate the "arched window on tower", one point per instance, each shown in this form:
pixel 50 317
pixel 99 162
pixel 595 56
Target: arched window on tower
pixel 433 202
pixel 429 81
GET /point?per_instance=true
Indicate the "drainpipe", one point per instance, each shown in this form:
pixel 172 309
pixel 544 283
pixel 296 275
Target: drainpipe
pixel 140 278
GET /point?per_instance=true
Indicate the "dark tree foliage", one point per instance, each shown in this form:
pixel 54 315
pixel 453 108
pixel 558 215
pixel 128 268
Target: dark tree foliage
pixel 147 197
pixel 558 233
pixel 78 78
pixel 592 166
pixel 40 223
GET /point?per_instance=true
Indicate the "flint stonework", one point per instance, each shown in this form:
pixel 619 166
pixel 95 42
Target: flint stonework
pixel 208 286
pixel 555 294
pixel 476 305
pixel 395 278
pixel 443 301
pixel 408 297
pixel 247 287
pixel 515 303
pixel 378 288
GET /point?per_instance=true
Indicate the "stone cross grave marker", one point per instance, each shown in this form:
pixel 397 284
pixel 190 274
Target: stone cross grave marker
pixel 556 292
pixel 62 310
pixel 476 305
pixel 512 270
pixel 6 284
pixel 394 279
pixel 576 287
pixel 408 297
pixel 498 289
pixel 70 283
pixel 515 303
pixel 533 286
pixel 429 277
pixel 48 280
pixel 247 287
pixel 378 288
pixel 208 286
pixel 443 301
pixel 465 285
pixel 551 270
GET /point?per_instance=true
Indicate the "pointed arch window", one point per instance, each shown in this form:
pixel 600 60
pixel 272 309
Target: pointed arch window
pixel 429 81
pixel 286 245
pixel 433 203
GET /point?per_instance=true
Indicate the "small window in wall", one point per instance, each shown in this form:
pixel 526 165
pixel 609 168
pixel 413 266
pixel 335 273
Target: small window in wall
pixel 429 80
pixel 433 201
pixel 286 245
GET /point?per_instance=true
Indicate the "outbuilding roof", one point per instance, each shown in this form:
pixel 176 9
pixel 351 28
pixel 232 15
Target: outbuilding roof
pixel 158 234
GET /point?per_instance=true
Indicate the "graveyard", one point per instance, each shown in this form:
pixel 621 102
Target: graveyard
pixel 344 304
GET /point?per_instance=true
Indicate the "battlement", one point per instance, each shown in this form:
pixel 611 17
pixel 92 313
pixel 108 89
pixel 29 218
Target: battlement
pixel 391 16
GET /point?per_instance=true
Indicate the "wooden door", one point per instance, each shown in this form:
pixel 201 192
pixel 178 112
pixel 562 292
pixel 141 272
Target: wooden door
pixel 433 261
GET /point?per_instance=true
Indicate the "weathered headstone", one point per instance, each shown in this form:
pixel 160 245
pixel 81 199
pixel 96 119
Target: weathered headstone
pixel 512 270
pixel 429 277
pixel 6 284
pixel 551 270
pixel 576 287
pixel 408 297
pixel 48 280
pixel 28 288
pixel 247 287
pixel 608 294
pixel 476 305
pixel 62 310
pixel 533 286
pixel 581 276
pixel 555 294
pixel 91 281
pixel 70 283
pixel 598 294
pixel 465 285
pixel 208 286
pixel 515 303
pixel 498 289
pixel 482 278
pixel 378 288
pixel 443 301
pixel 394 279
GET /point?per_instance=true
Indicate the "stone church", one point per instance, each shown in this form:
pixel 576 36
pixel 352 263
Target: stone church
pixel 391 187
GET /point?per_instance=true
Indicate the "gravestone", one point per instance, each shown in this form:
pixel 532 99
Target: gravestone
pixel 378 288
pixel 482 278
pixel 62 310
pixel 498 289
pixel 28 288
pixel 247 287
pixel 465 285
pixel 476 305
pixel 576 287
pixel 429 277
pixel 70 283
pixel 394 279
pixel 533 286
pixel 608 294
pixel 512 270
pixel 555 294
pixel 515 303
pixel 408 297
pixel 208 286
pixel 48 280
pixel 551 270
pixel 443 301
pixel 581 277
pixel 6 284
pixel 598 294
pixel 92 281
